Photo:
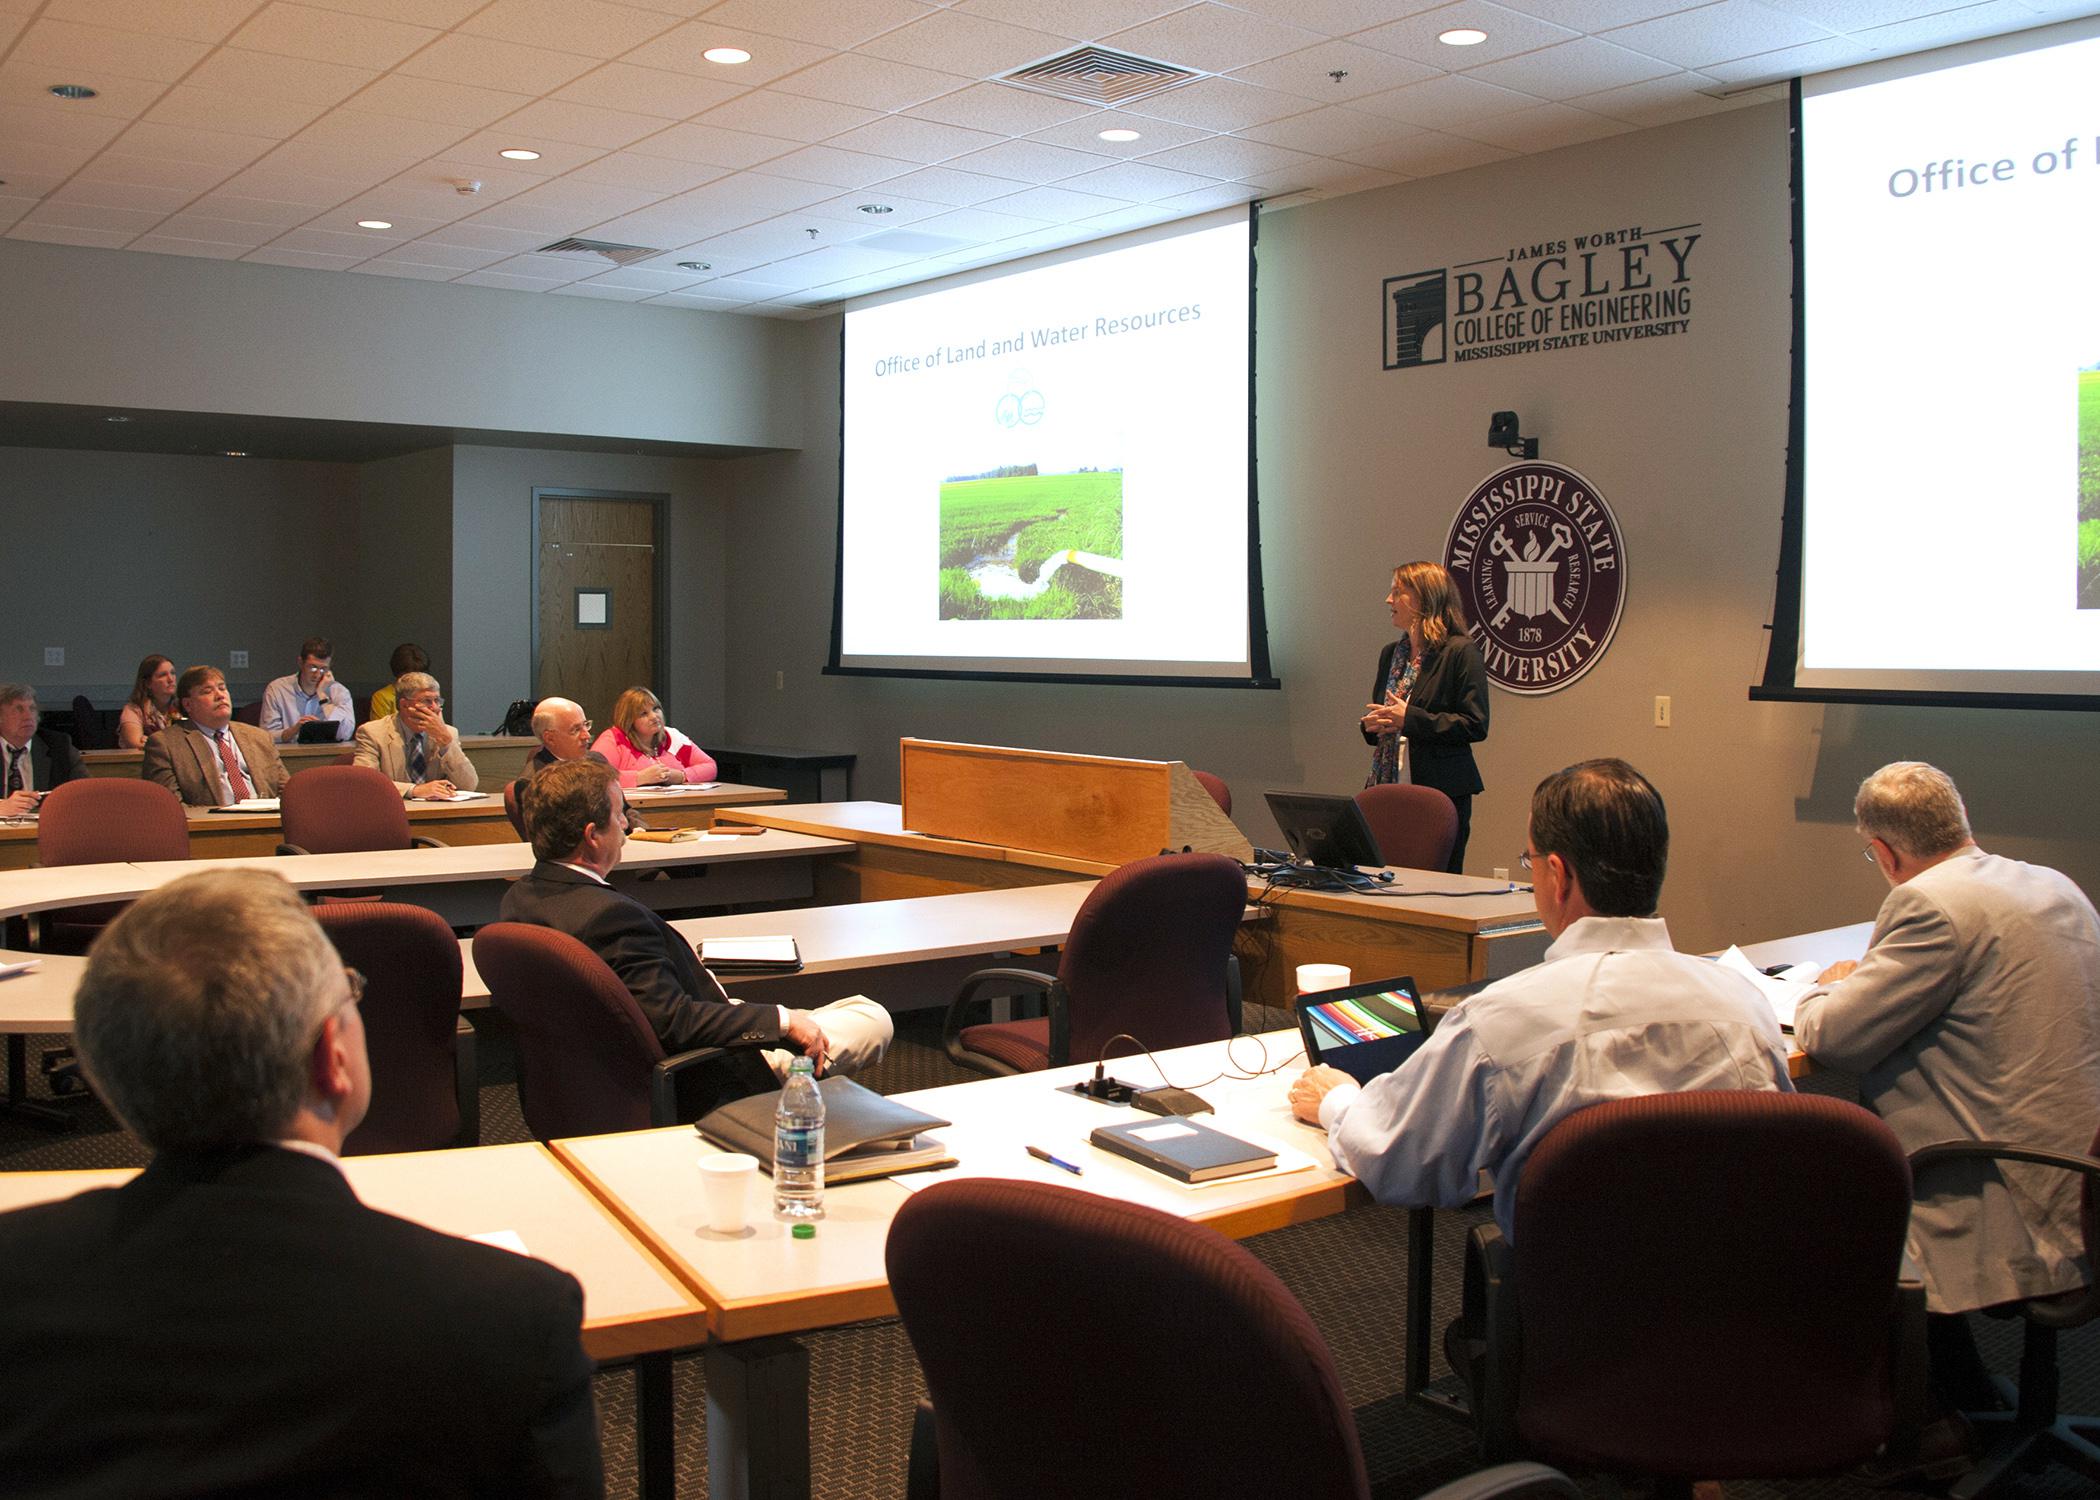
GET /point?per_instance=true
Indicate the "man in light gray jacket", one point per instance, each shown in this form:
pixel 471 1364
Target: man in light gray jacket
pixel 413 746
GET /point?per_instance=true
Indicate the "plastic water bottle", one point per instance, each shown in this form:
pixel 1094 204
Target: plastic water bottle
pixel 798 1146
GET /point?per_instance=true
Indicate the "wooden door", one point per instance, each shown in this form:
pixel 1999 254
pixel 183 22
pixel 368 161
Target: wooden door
pixel 596 573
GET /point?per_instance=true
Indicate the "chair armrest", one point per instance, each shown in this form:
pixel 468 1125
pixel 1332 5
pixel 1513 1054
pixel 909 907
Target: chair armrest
pixel 663 1081
pixel 420 842
pixel 2043 1311
pixel 1512 1481
pixel 1232 993
pixel 292 849
pixel 922 1472
pixel 1491 1258
pixel 466 1082
pixel 952 1022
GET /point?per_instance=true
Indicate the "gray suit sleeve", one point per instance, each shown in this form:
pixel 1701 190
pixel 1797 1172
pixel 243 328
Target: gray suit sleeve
pixel 1910 974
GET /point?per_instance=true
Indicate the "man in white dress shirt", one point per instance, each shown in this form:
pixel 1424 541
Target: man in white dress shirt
pixel 310 695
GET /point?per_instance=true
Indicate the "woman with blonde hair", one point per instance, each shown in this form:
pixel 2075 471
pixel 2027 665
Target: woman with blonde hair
pixel 645 750
pixel 1429 701
pixel 151 705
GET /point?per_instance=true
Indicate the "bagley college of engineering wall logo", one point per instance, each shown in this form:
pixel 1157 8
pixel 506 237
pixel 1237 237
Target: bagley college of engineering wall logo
pixel 1540 567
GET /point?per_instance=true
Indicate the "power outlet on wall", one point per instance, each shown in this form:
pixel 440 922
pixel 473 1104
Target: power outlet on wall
pixel 54 656
pixel 1662 711
pixel 236 658
pixel 780 681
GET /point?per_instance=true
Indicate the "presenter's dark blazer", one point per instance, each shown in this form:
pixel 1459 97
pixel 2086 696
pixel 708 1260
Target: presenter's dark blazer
pixel 52 759
pixel 685 1005
pixel 183 759
pixel 235 1322
pixel 1447 714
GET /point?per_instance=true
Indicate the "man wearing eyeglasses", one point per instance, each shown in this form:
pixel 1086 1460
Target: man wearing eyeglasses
pixel 234 1320
pixel 413 746
pixel 1974 1016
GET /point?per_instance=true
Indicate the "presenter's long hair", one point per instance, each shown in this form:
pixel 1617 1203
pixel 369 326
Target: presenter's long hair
pixel 632 704
pixel 1441 616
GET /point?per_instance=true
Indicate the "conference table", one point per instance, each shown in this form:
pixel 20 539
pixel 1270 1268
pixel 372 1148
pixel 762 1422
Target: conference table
pixel 496 758
pixel 216 834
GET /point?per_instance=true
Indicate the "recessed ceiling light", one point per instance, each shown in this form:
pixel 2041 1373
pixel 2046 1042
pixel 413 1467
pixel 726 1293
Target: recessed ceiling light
pixel 1462 36
pixel 874 208
pixel 375 223
pixel 1119 135
pixel 727 56
pixel 72 91
pixel 519 153
pixel 695 265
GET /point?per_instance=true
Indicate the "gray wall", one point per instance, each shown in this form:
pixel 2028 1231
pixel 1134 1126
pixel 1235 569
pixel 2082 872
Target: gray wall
pixel 403 557
pixel 1363 468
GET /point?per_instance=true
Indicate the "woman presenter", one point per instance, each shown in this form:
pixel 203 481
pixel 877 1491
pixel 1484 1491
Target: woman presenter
pixel 1429 701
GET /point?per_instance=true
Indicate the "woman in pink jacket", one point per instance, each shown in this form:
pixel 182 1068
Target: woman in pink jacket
pixel 645 750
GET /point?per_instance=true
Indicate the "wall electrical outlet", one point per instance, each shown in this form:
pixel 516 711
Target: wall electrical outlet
pixel 236 658
pixel 780 681
pixel 1662 711
pixel 54 656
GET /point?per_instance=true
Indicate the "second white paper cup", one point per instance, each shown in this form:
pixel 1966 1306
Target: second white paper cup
pixel 1313 977
pixel 725 1184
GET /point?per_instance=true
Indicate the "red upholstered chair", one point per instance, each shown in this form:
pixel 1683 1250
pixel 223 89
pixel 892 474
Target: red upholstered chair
pixel 103 820
pixel 1130 1388
pixel 2036 1430
pixel 1415 826
pixel 1150 954
pixel 250 713
pixel 513 811
pixel 1220 793
pixel 1704 1286
pixel 343 809
pixel 425 1095
pixel 588 1062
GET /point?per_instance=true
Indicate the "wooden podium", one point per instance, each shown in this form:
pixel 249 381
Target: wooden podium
pixel 1091 807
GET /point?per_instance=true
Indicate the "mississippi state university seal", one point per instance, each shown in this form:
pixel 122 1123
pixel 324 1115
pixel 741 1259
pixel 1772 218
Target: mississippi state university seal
pixel 1540 569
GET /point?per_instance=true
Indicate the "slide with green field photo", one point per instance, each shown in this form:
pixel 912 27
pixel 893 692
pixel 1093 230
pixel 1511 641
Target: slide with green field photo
pixel 1016 544
pixel 2089 487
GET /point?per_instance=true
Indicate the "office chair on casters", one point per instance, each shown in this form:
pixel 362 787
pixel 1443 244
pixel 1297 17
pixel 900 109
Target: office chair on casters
pixel 1415 826
pixel 513 811
pixel 345 809
pixel 1135 1394
pixel 1703 1286
pixel 1220 793
pixel 2036 1431
pixel 103 820
pixel 588 1062
pixel 1150 954
pixel 425 1095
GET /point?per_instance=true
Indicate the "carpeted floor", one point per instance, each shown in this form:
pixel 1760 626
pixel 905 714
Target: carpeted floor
pixel 1349 1271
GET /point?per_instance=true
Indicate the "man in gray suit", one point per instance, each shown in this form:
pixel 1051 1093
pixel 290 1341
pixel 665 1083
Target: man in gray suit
pixel 207 759
pixel 413 746
pixel 1975 1015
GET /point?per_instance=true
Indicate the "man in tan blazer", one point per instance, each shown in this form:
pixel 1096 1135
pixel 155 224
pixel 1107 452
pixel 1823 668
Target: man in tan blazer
pixel 190 758
pixel 413 746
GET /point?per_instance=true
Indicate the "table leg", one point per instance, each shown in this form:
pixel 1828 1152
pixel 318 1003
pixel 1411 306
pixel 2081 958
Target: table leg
pixel 18 1103
pixel 758 1420
pixel 1421 1263
pixel 655 1429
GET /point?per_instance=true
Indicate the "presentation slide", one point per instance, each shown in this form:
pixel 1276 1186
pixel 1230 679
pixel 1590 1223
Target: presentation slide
pixel 1045 470
pixel 1951 334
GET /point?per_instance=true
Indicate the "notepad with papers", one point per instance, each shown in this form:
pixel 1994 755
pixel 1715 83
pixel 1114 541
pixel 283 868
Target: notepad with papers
pixel 1783 990
pixel 249 805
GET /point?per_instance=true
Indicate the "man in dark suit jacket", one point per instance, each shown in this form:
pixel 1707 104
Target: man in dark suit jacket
pixel 577 817
pixel 186 757
pixel 32 760
pixel 233 1321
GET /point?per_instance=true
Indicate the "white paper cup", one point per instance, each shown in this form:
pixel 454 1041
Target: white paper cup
pixel 725 1186
pixel 1312 977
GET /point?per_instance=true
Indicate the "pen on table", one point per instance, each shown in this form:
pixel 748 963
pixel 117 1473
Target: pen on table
pixel 1041 1155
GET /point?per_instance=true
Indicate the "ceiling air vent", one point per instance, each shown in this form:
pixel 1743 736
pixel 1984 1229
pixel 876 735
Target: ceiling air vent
pixel 619 255
pixel 1097 75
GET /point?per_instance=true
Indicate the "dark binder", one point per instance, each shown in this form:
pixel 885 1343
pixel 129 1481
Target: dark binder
pixel 1183 1149
pixel 865 1134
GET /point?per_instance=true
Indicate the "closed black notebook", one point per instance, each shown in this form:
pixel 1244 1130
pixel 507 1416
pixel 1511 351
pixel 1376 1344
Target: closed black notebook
pixel 865 1134
pixel 1183 1149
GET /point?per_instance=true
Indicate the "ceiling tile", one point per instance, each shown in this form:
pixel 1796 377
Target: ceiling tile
pixel 1031 161
pixel 910 139
pixel 1790 62
pixel 589 27
pixel 1213 39
pixel 12 209
pixel 1544 127
pixel 846 209
pixel 491 64
pixel 374 205
pixel 446 103
pixel 1329 132
pixel 356 164
pixel 714 146
pixel 25 85
pixel 215 148
pixel 648 279
pixel 311 260
pixel 550 270
pixel 1226 157
pixel 764 112
pixel 1450 102
pixel 479 155
pixel 219 231
pixel 62 234
pixel 1317 174
pixel 1430 152
pixel 870 82
pixel 475 236
pixel 583 124
pixel 50 127
pixel 1716 33
pixel 755 244
pixel 566 205
pixel 215 109
pixel 1135 182
pixel 155 198
pixel 1987 19
pixel 1084 134
pixel 1857 15
pixel 357 129
pixel 797 272
pixel 824 22
pixel 681 49
pixel 956 43
pixel 191 20
pixel 1218 195
pixel 1219 104
pixel 292 185
pixel 358 244
pixel 499 280
pixel 262 212
pixel 299 78
pixel 1077 20
pixel 1508 33
pixel 427 252
pixel 1054 205
pixel 650 91
pixel 947 185
pixel 283 29
pixel 384 267
pixel 1659 102
pixel 697 301
pixel 596 292
pixel 81 54
pixel 839 168
pixel 753 194
pixel 655 174
pixel 20 159
pixel 192 177
pixel 1001 109
pixel 161 244
pixel 1583 66
pixel 1311 74
pixel 440 13
pixel 88 216
pixel 1595 15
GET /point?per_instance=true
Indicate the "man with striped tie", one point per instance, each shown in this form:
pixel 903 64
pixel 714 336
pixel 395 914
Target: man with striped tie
pixel 207 758
pixel 413 746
